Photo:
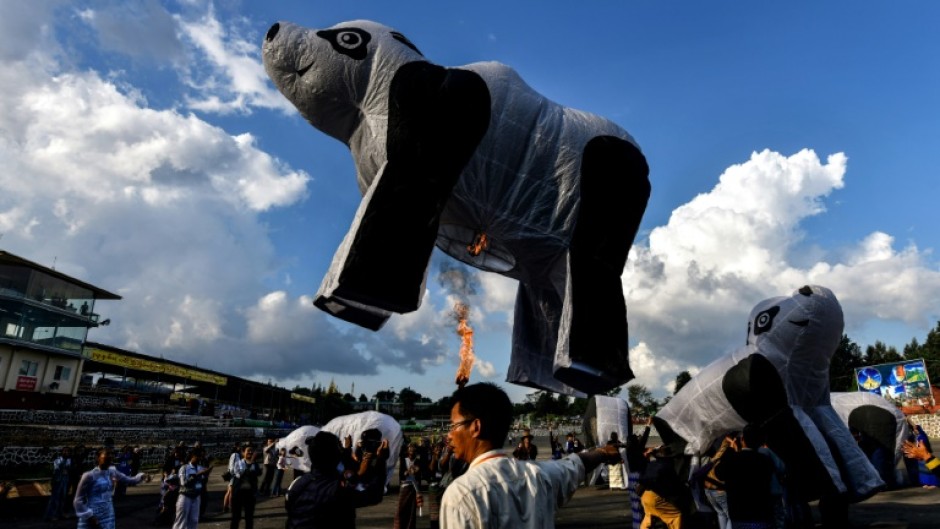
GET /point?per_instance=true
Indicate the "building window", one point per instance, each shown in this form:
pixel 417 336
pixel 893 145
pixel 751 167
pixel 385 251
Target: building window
pixel 14 330
pixel 29 368
pixel 62 373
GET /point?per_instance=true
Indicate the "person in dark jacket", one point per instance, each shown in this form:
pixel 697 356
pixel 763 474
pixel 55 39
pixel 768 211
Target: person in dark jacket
pixel 747 475
pixel 664 494
pixel 327 497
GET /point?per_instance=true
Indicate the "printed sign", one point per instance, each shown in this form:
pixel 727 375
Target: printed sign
pixel 25 383
pixel 903 383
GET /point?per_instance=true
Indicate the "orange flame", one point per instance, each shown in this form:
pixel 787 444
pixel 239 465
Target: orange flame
pixel 462 315
pixel 480 242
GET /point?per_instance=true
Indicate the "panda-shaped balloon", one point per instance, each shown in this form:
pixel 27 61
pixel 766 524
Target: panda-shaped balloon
pixel 473 160
pixel 780 381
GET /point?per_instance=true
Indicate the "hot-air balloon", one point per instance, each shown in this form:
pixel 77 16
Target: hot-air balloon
pixel 880 428
pixel 474 161
pixel 780 381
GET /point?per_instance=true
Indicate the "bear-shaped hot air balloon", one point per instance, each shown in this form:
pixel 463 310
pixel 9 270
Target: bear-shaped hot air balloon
pixel 780 381
pixel 474 161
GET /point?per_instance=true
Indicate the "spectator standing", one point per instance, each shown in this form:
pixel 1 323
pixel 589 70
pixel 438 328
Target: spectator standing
pixel 283 463
pixel 615 474
pixel 233 458
pixel 136 457
pixel 409 492
pixel 557 450
pixel 636 466
pixel 715 490
pixel 497 491
pixel 747 474
pixel 93 499
pixel 777 484
pixel 326 498
pixel 270 455
pixel 927 479
pixel 61 467
pixel 79 466
pixel 526 451
pixel 193 481
pixel 124 460
pixel 244 486
pixel 663 493
pixel 573 444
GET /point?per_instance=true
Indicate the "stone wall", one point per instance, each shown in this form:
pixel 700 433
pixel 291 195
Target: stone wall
pixel 930 423
pixel 32 439
pixel 89 418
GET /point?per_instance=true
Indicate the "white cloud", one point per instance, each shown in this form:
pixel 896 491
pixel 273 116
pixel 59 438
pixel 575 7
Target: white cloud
pixel 485 368
pixel 690 288
pixel 227 74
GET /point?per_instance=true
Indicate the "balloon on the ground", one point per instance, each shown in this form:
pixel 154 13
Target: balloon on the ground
pixel 474 161
pixel 604 415
pixel 353 425
pixel 881 425
pixel 780 381
pixel 296 445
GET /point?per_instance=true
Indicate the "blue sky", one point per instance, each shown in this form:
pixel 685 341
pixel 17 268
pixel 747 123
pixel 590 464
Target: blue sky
pixel 143 149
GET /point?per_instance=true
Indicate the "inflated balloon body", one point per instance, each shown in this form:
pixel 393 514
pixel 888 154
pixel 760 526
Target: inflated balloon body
pixel 296 445
pixel 497 176
pixel 352 425
pixel 881 424
pixel 779 380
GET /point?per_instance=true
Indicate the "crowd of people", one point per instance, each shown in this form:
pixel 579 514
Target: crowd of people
pixel 462 479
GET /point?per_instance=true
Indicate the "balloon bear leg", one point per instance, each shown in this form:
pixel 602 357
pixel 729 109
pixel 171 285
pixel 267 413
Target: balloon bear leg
pixel 615 189
pixel 440 116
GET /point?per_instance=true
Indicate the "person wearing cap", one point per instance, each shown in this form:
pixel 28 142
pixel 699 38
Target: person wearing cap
pixel 526 451
pixel 499 491
pixel 336 485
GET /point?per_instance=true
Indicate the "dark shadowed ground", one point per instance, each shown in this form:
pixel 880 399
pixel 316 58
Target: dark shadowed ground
pixel 910 508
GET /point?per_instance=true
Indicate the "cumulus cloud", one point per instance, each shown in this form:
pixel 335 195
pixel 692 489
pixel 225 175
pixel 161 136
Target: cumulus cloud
pixel 159 206
pixel 227 74
pixel 690 287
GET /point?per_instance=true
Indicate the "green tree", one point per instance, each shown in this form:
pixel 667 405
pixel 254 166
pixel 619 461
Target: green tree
pixel 330 406
pixel 641 400
pixel 881 354
pixel 303 391
pixel 930 352
pixel 408 398
pixel 386 395
pixel 363 398
pixel 845 360
pixel 682 379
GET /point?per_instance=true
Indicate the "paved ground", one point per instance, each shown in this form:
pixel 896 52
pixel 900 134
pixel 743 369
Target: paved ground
pixel 913 508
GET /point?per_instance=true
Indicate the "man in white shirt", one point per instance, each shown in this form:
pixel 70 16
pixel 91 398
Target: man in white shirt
pixel 498 491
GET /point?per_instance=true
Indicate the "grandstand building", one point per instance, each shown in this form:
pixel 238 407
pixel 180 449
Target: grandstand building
pixel 44 320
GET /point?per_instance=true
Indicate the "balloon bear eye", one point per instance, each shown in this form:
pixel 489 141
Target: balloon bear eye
pixel 349 39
